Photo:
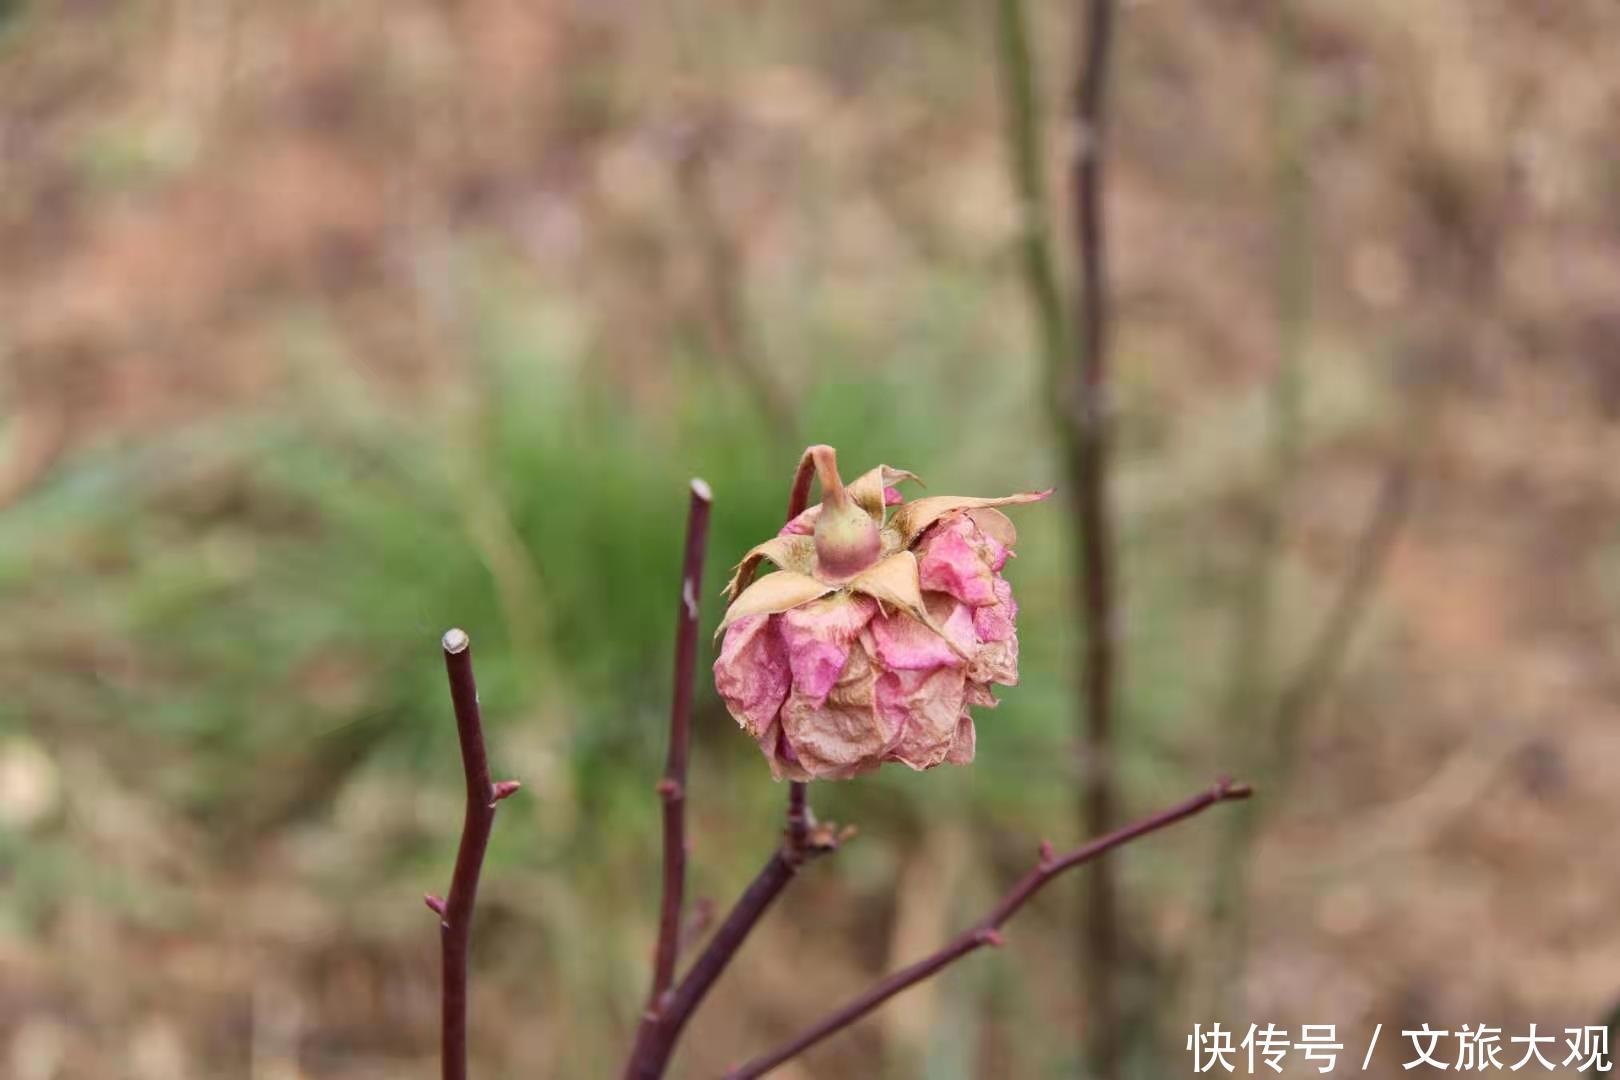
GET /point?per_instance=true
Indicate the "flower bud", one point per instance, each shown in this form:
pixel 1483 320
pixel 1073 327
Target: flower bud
pixel 846 537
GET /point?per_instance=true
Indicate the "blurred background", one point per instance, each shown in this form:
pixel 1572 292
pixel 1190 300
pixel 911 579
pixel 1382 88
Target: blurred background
pixel 327 326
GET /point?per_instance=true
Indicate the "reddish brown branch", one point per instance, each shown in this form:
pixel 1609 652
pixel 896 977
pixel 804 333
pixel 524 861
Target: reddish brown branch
pixel 987 931
pixel 798 812
pixel 1088 422
pixel 455 912
pixel 665 1019
pixel 672 788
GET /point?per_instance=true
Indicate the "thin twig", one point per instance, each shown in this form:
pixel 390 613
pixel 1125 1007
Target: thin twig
pixel 672 788
pixel 987 931
pixel 802 840
pixel 1242 721
pixel 1087 415
pixel 798 814
pixel 1027 164
pixel 455 913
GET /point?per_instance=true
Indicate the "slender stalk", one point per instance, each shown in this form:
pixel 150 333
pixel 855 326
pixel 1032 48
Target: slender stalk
pixel 1027 165
pixel 455 913
pixel 987 931
pixel 1086 417
pixel 798 813
pixel 1245 714
pixel 672 788
pixel 802 840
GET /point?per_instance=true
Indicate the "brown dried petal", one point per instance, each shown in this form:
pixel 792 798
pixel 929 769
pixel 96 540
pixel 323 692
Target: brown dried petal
pixel 867 489
pixel 996 662
pixel 996 525
pixel 841 735
pixel 772 593
pixel 796 553
pixel 926 707
pixel 912 518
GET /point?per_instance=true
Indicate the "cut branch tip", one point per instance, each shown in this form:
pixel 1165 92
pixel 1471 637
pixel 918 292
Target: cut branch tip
pixel 456 640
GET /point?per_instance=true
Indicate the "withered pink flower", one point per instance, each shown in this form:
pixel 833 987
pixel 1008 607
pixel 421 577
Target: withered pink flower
pixel 877 632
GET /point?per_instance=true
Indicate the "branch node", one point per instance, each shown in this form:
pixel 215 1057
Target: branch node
pixel 504 789
pixel 669 790
pixel 990 936
pixel 435 904
pixel 1048 853
pixel 822 838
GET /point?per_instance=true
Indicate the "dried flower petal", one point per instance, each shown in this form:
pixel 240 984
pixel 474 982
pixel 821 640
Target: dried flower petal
pixel 752 673
pixel 911 519
pixel 924 706
pixel 840 734
pixel 796 553
pixel 818 637
pixel 994 622
pixel 947 562
pixel 871 490
pixel 774 592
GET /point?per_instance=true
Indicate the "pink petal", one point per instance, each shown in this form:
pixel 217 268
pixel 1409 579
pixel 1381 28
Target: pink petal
pixel 956 620
pixel 901 643
pixel 892 496
pixel 948 563
pixel 752 672
pixel 997 621
pixel 818 636
pixel 803 525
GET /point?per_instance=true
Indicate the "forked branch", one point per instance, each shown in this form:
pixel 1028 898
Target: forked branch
pixel 670 1008
pixel 455 912
pixel 987 931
